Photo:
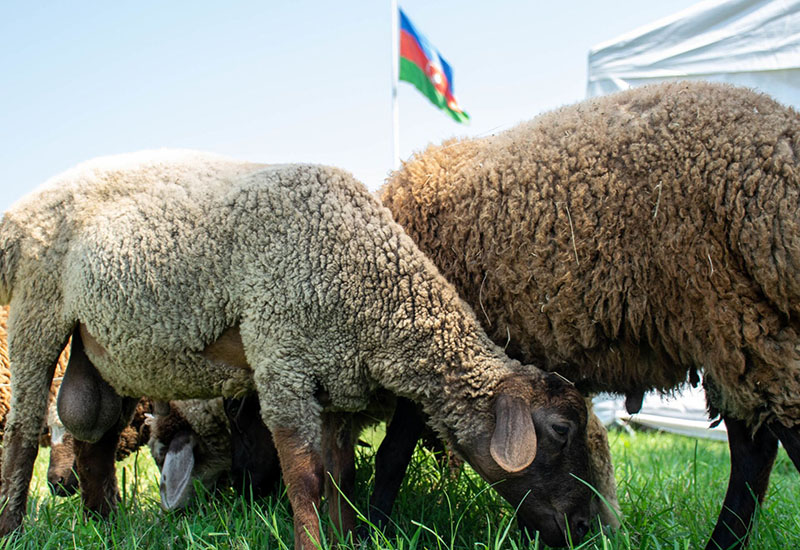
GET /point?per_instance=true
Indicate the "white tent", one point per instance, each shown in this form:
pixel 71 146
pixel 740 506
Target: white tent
pixel 754 43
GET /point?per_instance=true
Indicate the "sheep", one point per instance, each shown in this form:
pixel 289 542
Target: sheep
pixel 406 424
pixel 630 241
pixel 181 275
pixel 192 440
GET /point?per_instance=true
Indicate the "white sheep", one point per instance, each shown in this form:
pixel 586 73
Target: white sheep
pixel 191 276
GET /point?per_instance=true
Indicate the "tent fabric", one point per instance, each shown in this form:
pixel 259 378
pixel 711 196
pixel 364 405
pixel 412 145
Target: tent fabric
pixel 683 413
pixel 753 43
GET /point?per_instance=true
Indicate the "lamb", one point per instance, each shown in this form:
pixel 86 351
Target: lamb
pixel 181 275
pixel 630 241
pixel 406 424
pixel 192 440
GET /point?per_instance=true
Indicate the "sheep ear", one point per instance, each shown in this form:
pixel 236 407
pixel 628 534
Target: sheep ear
pixel 513 444
pixel 176 474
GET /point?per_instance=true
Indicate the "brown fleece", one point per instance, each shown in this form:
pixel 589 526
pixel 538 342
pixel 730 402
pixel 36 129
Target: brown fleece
pixel 628 240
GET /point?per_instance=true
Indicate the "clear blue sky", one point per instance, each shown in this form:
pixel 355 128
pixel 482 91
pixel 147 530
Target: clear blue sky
pixel 277 81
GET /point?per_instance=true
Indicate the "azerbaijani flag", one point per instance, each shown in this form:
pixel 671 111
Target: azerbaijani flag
pixel 423 66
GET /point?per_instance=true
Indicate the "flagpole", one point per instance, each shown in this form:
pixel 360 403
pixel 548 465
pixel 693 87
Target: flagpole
pixel 395 77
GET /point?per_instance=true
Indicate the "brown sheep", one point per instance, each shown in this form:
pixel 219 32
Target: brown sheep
pixel 629 242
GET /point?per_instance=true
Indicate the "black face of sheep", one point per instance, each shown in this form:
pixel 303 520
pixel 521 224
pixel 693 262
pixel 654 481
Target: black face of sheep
pixel 558 507
pixel 61 478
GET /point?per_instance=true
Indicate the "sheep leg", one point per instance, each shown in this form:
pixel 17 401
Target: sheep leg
pixel 751 464
pixel 340 469
pixel 254 460
pixel 790 437
pixel 393 457
pixel 95 464
pixel 302 468
pixel 30 390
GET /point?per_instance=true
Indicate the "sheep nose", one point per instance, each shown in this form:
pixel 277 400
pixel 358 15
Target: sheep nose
pixel 55 484
pixel 579 529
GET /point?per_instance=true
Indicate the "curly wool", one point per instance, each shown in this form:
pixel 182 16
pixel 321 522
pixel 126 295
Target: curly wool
pixel 154 253
pixel 629 240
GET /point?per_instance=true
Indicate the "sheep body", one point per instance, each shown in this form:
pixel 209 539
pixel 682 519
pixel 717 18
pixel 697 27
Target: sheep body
pixel 156 258
pixel 629 240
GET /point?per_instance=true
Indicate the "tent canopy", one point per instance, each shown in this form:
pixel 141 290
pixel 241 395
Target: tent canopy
pixel 754 43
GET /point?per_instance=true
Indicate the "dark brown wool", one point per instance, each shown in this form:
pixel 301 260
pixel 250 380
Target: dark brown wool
pixel 629 240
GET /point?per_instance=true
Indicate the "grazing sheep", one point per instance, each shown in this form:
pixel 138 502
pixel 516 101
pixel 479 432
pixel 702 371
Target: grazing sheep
pixel 406 424
pixel 183 275
pixel 192 440
pixel 630 241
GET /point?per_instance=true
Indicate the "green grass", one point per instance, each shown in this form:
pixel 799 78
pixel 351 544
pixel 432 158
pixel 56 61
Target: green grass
pixel 670 489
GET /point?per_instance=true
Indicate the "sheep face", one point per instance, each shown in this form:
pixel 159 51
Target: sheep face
pixel 536 456
pixel 183 456
pixel 61 478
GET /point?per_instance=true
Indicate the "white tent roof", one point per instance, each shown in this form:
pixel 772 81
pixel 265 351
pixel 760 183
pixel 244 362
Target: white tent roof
pixel 754 43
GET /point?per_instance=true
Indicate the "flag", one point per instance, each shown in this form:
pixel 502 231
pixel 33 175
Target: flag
pixel 423 66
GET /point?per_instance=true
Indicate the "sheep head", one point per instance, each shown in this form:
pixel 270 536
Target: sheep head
pixel 536 455
pixel 184 455
pixel 61 478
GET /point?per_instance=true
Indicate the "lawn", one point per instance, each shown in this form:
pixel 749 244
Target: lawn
pixel 670 488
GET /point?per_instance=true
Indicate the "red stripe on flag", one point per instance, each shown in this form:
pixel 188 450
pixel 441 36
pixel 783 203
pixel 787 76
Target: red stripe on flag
pixel 411 50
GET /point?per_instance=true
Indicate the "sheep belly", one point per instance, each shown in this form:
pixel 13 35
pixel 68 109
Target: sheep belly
pixel 188 374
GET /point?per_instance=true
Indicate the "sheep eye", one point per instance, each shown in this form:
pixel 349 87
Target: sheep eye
pixel 561 429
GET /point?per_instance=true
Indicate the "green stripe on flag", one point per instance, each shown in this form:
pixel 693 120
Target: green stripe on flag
pixel 411 72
